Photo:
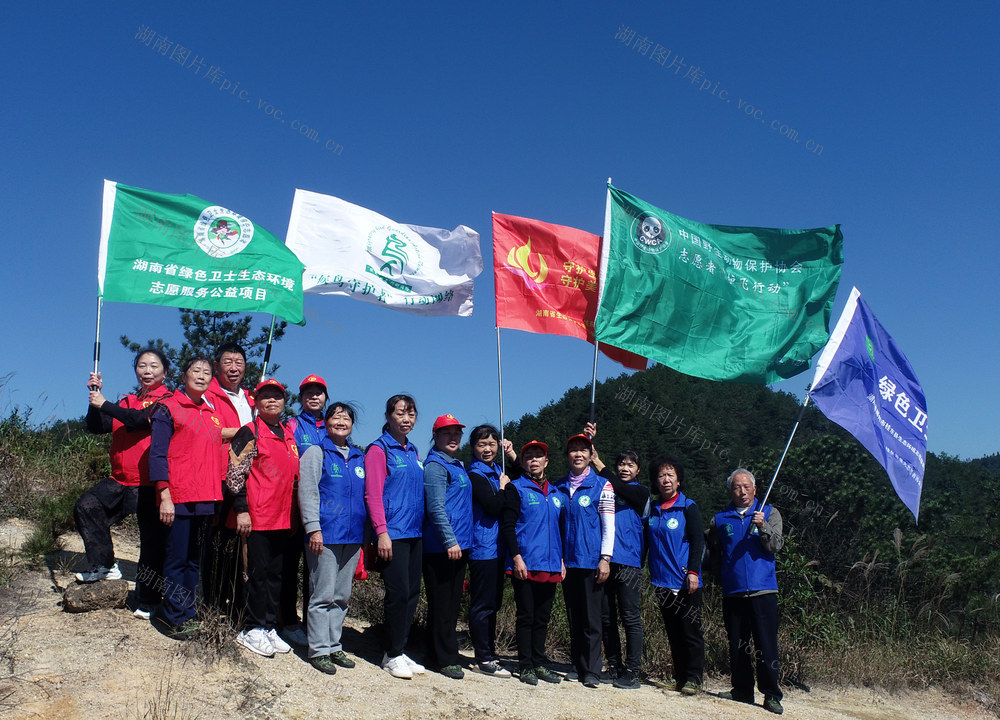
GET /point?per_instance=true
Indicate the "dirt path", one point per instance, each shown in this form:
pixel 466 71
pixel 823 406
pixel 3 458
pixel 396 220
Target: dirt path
pixel 108 664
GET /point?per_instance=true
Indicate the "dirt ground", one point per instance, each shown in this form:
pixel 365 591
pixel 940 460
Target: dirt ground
pixel 108 664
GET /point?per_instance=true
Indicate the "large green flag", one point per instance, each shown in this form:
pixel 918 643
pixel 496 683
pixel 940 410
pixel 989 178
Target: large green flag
pixel 714 301
pixel 182 251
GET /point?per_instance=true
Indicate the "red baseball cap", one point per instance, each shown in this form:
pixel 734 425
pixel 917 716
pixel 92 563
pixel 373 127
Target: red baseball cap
pixel 271 382
pixel 536 443
pixel 580 436
pixel 313 380
pixel 446 421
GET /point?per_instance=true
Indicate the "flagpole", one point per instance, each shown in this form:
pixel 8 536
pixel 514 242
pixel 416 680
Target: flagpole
pixel 797 421
pixel 97 338
pixel 503 455
pixel 267 351
pixel 593 382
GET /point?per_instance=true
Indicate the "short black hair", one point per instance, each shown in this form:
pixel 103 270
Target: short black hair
pixel 192 361
pixel 483 431
pixel 337 406
pixel 627 455
pixel 229 347
pixel 661 462
pixel 152 351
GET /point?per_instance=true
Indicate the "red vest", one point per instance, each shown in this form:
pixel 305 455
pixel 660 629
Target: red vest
pixel 274 476
pixel 197 457
pixel 130 448
pixel 224 406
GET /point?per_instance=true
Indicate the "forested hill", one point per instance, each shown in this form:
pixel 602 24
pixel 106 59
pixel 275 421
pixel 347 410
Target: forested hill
pixel 835 498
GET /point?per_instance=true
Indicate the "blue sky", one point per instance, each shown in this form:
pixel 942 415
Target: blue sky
pixel 447 113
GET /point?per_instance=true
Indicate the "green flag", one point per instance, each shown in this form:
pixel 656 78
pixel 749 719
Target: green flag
pixel 182 251
pixel 713 301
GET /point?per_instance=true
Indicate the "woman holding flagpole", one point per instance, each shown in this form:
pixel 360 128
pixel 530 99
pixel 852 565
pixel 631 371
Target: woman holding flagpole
pixel 394 495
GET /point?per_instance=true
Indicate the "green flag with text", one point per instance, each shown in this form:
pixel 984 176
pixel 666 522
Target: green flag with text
pixel 182 251
pixel 718 302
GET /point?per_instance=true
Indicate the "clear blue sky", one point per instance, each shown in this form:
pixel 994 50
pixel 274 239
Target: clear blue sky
pixel 445 113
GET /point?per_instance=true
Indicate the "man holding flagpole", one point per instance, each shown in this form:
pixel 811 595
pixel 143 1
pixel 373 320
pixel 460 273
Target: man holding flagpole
pixel 746 535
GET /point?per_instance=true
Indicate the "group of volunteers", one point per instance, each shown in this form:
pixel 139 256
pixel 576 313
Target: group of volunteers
pixel 229 494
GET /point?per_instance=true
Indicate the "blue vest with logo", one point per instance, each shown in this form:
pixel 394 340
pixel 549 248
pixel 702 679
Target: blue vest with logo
pixel 457 504
pixel 668 545
pixel 628 534
pixel 403 495
pixel 309 430
pixel 746 566
pixel 537 526
pixel 485 528
pixel 582 522
pixel 342 512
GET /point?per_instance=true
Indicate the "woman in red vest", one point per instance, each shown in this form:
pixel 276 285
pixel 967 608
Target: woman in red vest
pixel 262 513
pixel 128 490
pixel 187 462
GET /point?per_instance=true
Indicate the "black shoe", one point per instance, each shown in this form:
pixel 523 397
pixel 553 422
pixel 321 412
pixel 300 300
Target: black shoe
pixel 615 671
pixel 340 658
pixel 546 675
pixel 690 688
pixel 592 681
pixel 627 680
pixel 772 704
pixel 323 663
pixel 737 696
pixel 528 676
pixel 451 671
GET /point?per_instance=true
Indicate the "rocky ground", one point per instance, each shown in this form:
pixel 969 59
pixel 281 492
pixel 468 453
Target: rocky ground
pixel 108 664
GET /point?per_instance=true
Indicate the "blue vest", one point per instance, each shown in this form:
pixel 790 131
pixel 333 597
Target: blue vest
pixel 485 528
pixel 309 430
pixel 537 526
pixel 669 548
pixel 746 567
pixel 403 495
pixel 457 504
pixel 581 530
pixel 628 534
pixel 342 512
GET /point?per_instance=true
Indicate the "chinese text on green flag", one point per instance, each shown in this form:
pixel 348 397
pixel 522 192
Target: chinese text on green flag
pixel 719 302
pixel 182 251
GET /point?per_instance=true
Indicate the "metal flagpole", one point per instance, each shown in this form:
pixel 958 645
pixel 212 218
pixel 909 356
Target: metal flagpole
pixel 267 352
pixel 593 382
pixel 503 456
pixel 797 421
pixel 97 338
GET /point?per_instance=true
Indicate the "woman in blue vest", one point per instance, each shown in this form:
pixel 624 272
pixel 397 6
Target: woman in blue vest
pixel 394 496
pixel 675 541
pixel 332 502
pixel 588 533
pixel 447 537
pixel 529 527
pixel 486 566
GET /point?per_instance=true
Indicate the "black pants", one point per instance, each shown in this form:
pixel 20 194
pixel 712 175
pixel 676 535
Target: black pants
pixel 584 598
pixel 291 560
pixel 485 597
pixel 107 504
pixel 265 555
pixel 753 617
pixel 534 608
pixel 443 580
pixel 682 620
pixel 622 594
pixel 401 577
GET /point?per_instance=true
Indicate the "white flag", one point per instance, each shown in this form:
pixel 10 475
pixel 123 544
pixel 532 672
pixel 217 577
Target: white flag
pixel 350 250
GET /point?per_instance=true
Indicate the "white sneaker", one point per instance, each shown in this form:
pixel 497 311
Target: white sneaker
pixel 99 572
pixel 279 645
pixel 256 641
pixel 415 667
pixel 295 636
pixel 397 666
pixel 142 612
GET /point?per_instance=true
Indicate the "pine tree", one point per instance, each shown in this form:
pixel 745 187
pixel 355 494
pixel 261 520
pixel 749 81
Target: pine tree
pixel 204 331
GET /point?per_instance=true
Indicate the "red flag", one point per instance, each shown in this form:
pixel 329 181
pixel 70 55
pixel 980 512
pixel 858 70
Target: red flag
pixel 546 281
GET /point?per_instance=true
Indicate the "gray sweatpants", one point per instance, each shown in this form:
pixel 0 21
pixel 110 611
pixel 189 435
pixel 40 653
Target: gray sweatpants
pixel 331 575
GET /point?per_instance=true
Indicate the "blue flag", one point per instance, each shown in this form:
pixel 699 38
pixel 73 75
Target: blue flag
pixel 865 384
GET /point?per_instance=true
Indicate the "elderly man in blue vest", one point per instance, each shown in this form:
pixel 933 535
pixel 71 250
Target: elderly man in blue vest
pixel 748 534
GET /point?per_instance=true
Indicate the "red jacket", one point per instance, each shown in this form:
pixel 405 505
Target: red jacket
pixel 274 476
pixel 130 448
pixel 197 457
pixel 224 406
